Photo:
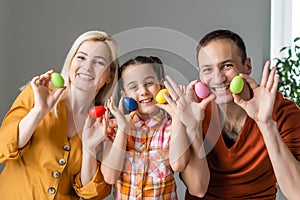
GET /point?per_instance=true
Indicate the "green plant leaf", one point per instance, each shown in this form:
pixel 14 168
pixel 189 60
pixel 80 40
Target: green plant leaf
pixel 288 70
pixel 283 48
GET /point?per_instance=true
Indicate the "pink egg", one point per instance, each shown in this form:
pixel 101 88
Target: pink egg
pixel 201 90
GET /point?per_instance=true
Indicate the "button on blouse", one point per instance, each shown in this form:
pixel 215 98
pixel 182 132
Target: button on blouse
pixel 62 161
pixel 51 190
pixel 56 174
pixel 66 148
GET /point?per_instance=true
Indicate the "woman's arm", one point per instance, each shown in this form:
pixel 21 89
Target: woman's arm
pixel 93 134
pixel 43 103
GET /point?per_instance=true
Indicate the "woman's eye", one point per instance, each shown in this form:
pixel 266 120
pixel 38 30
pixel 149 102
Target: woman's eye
pixel 97 62
pixel 80 57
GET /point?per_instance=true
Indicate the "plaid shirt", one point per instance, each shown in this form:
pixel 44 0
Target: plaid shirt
pixel 147 173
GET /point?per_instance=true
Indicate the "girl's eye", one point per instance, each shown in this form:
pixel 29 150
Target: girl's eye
pixel 133 87
pixel 149 83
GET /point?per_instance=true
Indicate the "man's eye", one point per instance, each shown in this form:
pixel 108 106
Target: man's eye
pixel 227 66
pixel 206 70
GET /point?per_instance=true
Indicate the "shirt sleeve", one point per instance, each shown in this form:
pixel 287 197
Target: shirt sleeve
pixel 9 129
pixel 287 115
pixel 112 129
pixel 97 188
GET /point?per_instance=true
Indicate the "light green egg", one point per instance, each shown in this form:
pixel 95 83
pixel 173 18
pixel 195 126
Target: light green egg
pixel 236 85
pixel 57 80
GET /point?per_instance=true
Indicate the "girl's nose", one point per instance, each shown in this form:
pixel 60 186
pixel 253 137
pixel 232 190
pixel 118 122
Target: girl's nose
pixel 143 90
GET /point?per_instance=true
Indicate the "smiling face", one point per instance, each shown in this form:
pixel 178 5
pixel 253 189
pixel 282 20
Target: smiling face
pixel 90 66
pixel 140 82
pixel 219 62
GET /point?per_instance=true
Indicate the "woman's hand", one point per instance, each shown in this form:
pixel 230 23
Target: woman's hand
pixel 260 107
pixel 94 132
pixel 44 98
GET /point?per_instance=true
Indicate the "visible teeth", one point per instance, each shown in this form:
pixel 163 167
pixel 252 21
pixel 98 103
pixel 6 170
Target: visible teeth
pixel 220 89
pixel 146 100
pixel 84 76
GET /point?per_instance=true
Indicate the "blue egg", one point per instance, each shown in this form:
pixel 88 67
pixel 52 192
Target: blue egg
pixel 130 104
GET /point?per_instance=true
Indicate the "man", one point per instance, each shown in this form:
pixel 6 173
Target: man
pixel 252 139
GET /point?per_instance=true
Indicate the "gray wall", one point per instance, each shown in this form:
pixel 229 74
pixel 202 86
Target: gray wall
pixel 36 35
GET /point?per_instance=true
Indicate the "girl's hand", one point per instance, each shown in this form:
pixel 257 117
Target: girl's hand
pixel 260 107
pixel 122 120
pixel 183 103
pixel 44 99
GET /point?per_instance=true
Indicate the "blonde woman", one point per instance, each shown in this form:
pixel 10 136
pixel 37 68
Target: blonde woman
pixel 40 138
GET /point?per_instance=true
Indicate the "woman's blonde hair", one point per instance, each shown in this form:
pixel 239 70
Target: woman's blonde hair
pixel 109 88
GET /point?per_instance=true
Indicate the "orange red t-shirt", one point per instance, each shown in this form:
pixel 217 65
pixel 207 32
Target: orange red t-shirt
pixel 244 171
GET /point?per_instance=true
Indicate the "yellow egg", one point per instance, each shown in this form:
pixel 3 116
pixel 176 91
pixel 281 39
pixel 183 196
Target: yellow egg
pixel 160 97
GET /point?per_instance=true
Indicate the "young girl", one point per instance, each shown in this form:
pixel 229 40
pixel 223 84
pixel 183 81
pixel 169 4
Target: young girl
pixel 147 147
pixel 39 140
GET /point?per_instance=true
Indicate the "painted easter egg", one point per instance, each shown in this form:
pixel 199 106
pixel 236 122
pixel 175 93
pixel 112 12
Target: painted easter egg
pixel 96 111
pixel 201 90
pixel 57 80
pixel 160 97
pixel 236 85
pixel 130 104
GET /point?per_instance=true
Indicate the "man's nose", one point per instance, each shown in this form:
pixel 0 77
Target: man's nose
pixel 219 76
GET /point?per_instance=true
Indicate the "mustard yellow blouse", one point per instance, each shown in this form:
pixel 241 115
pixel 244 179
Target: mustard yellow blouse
pixel 48 167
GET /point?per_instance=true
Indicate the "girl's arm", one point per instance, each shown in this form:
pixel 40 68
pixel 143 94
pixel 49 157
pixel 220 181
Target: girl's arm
pixel 196 174
pixel 112 164
pixel 179 148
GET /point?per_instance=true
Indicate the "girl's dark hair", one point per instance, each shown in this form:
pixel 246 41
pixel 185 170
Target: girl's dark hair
pixel 224 34
pixel 155 62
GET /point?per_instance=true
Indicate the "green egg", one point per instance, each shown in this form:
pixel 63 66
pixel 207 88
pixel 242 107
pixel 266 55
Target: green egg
pixel 57 80
pixel 236 85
